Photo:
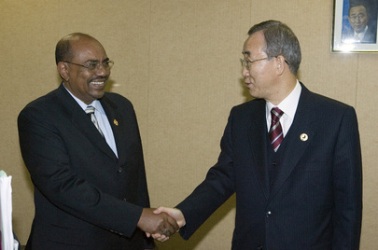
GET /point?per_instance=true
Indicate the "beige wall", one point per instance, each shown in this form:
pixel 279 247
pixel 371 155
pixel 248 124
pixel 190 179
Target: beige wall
pixel 178 62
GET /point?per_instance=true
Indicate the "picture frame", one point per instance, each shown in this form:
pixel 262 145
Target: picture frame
pixel 355 26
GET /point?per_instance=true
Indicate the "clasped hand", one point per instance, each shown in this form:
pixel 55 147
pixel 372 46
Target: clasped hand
pixel 161 223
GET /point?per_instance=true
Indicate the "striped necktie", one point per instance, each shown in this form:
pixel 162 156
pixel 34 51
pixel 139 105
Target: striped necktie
pixel 90 110
pixel 275 132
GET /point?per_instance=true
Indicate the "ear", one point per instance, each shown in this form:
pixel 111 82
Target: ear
pixel 63 70
pixel 280 64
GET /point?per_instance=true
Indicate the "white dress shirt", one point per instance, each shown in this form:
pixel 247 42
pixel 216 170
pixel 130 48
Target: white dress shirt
pixel 288 106
pixel 102 120
pixel 359 36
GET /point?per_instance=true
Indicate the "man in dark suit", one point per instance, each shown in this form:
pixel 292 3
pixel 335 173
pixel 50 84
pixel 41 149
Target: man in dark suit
pixel 90 183
pixel 363 28
pixel 300 189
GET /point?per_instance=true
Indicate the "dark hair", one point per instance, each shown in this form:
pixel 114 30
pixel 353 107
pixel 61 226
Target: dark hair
pixel 63 50
pixel 280 40
pixel 353 4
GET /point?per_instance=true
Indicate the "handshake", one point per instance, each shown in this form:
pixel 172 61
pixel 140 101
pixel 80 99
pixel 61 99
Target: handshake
pixel 161 223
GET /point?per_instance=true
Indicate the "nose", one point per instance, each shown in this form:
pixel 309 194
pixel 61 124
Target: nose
pixel 245 72
pixel 102 70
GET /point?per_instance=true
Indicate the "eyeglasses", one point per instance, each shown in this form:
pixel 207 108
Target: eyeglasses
pixel 94 65
pixel 359 17
pixel 246 63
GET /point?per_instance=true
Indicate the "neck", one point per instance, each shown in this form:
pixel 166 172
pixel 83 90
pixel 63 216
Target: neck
pixel 286 86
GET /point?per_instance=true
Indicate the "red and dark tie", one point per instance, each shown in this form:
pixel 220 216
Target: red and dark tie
pixel 275 132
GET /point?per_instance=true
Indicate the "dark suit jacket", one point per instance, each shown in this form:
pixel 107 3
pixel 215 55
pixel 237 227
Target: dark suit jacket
pixel 369 37
pixel 315 200
pixel 85 197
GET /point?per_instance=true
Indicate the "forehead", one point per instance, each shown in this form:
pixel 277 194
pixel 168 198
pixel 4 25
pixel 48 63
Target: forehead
pixel 88 49
pixel 255 44
pixel 357 10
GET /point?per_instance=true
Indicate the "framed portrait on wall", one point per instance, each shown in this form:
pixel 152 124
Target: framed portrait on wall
pixel 355 26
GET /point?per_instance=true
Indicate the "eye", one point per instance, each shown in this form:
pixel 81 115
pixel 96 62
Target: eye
pixel 91 65
pixel 108 64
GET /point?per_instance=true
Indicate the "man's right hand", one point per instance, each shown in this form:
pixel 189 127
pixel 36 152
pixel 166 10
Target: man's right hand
pixel 175 214
pixel 157 223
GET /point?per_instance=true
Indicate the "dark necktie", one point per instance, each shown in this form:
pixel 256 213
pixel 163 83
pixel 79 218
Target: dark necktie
pixel 275 132
pixel 90 110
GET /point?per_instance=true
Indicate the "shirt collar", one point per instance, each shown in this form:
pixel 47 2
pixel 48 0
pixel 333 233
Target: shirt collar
pixel 289 104
pixel 96 103
pixel 361 34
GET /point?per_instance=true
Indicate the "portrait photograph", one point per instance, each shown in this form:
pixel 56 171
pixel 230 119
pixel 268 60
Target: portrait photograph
pixel 355 26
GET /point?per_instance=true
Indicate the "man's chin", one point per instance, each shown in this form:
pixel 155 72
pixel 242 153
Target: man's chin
pixel 98 94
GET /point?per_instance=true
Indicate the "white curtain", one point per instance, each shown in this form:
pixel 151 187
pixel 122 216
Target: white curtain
pixel 7 239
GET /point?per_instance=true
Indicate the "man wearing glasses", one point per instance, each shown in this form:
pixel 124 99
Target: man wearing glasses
pixel 292 157
pixel 83 150
pixel 363 30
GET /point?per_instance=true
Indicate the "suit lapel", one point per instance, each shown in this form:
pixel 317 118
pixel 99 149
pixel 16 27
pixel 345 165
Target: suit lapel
pixel 296 141
pixel 116 123
pixel 81 122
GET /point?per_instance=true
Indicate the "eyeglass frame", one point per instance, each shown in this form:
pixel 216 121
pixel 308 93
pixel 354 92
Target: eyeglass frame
pixel 247 63
pixel 108 64
pixel 358 16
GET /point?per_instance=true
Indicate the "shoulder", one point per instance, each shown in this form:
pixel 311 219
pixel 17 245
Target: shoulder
pixel 248 111
pixel 322 102
pixel 115 101
pixel 44 110
pixel 43 103
pixel 324 108
pixel 250 106
pixel 116 98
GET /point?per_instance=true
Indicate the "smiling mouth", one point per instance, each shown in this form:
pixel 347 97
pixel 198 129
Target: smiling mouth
pixel 97 84
pixel 247 83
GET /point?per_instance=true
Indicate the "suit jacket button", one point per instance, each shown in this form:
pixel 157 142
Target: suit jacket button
pixel 269 213
pixel 120 170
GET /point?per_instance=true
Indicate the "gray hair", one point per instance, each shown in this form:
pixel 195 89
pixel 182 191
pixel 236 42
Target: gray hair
pixel 280 40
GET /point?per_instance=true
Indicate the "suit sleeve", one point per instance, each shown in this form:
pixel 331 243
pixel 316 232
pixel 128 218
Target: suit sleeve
pixel 347 185
pixel 217 187
pixel 47 159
